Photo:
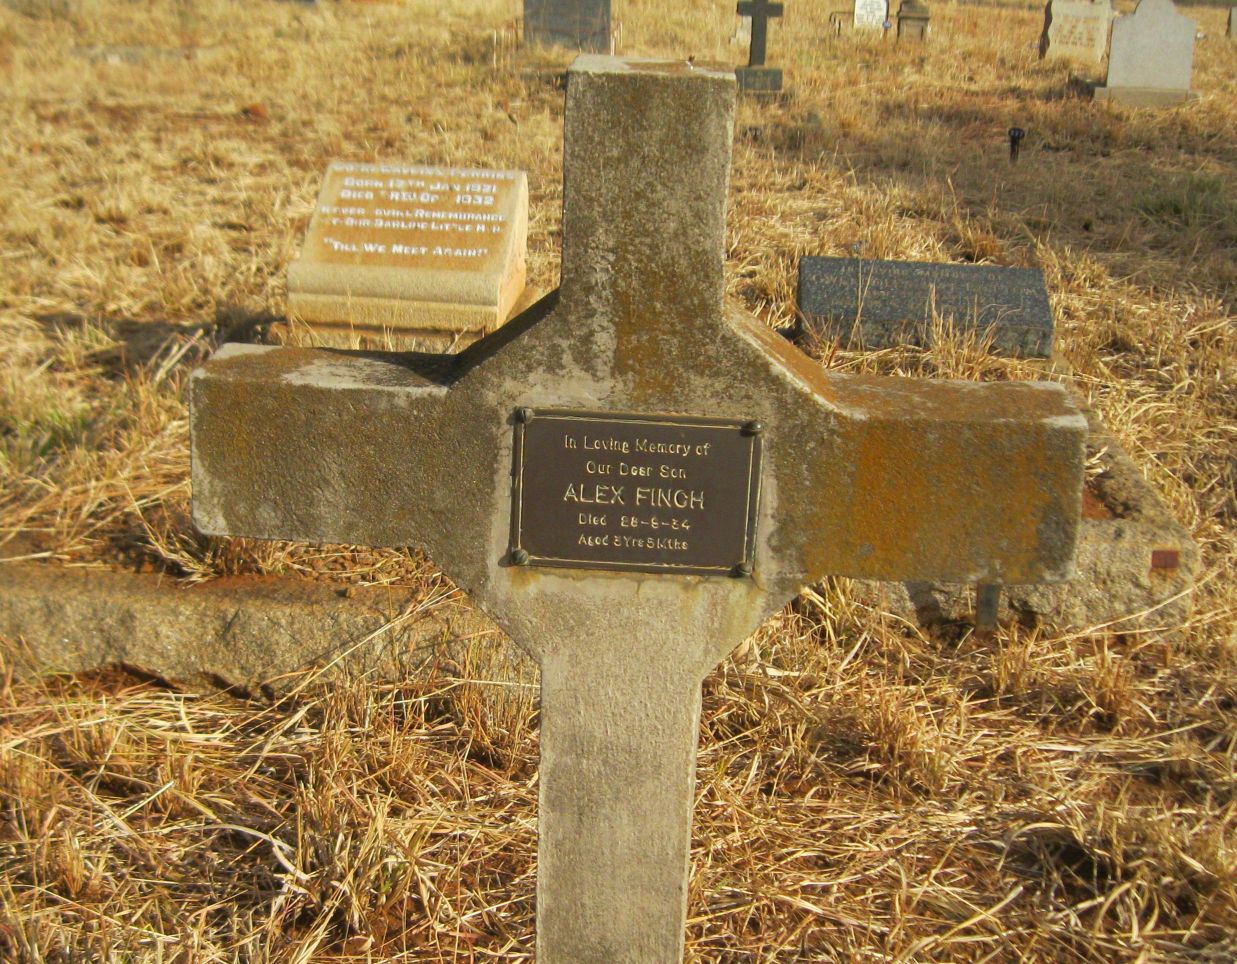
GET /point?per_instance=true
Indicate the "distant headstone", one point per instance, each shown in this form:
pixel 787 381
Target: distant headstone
pixel 756 77
pixel 135 55
pixel 742 31
pixel 575 24
pixel 51 9
pixel 411 256
pixel 841 21
pixel 630 478
pixel 883 303
pixel 913 17
pixel 1076 29
pixel 1151 57
pixel 870 14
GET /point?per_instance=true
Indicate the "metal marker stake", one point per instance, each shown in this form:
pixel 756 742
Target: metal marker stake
pixel 1016 134
pixel 987 605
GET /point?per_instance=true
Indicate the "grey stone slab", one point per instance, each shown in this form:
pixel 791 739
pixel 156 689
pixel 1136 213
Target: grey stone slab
pixel 1076 29
pixel 883 478
pixel 1143 96
pixel 1151 57
pixel 575 24
pixel 742 35
pixel 759 80
pixel 881 303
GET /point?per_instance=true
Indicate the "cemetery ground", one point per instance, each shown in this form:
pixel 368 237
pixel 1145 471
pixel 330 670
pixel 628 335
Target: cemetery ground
pixel 866 789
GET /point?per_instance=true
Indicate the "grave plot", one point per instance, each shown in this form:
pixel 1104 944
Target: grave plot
pixel 627 478
pixel 863 790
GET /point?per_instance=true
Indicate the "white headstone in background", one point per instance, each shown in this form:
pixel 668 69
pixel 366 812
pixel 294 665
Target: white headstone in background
pixel 871 14
pixel 1076 29
pixel 1151 57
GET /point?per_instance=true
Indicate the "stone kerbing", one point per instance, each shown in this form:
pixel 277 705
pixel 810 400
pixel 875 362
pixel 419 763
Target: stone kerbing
pixel 246 632
pixel 1135 569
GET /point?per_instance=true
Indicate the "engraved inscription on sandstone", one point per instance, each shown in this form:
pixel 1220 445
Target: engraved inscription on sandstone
pixel 635 492
pixel 408 216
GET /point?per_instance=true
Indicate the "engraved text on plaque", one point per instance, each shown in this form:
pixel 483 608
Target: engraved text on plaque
pixel 645 492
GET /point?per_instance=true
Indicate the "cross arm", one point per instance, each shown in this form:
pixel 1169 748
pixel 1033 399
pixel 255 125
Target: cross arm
pixel 747 8
pixel 956 481
pixel 325 446
pixel 903 479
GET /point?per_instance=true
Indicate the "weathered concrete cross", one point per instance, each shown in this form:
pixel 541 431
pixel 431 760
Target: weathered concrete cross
pixel 629 478
pixel 760 11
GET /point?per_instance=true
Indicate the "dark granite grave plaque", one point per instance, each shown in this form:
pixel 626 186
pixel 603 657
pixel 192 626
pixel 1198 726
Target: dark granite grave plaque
pixel 577 24
pixel 883 303
pixel 649 493
pixel 759 80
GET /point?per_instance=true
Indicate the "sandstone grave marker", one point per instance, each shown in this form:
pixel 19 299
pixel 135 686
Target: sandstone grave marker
pixel 913 20
pixel 576 24
pixel 425 257
pixel 1076 29
pixel 882 303
pixel 629 478
pixel 870 14
pixel 1150 58
pixel 756 77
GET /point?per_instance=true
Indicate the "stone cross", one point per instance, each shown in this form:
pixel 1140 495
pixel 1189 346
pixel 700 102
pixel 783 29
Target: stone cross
pixel 756 77
pixel 760 11
pixel 629 478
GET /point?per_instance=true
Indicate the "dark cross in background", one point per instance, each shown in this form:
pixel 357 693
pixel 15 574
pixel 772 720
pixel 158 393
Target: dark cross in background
pixel 756 77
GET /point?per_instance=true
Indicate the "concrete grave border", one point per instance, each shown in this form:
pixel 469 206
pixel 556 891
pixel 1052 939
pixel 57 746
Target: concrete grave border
pixel 251 633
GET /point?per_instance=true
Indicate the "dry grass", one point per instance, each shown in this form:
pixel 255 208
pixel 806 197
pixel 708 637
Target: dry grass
pixel 866 791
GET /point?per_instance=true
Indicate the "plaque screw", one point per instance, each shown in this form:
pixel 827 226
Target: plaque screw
pixel 753 428
pixel 741 569
pixel 519 557
pixel 523 415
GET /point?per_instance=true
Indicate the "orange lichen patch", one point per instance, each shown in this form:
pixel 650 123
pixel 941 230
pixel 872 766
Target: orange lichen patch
pixel 945 499
pixel 1093 506
pixel 803 366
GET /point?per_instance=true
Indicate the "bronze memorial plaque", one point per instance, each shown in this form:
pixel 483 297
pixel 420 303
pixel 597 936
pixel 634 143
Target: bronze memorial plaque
pixel 654 493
